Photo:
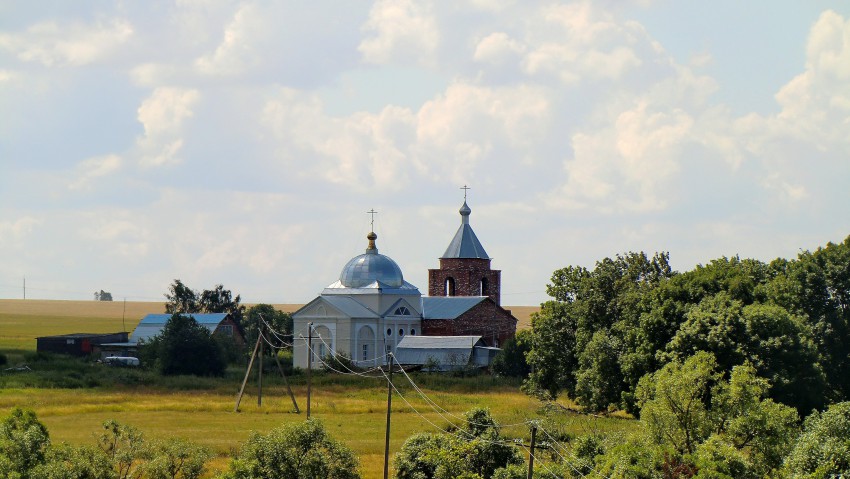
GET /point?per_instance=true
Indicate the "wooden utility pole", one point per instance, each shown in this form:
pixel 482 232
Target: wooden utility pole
pixel 260 370
pixel 288 389
pixel 309 365
pixel 531 451
pixel 247 373
pixel 389 413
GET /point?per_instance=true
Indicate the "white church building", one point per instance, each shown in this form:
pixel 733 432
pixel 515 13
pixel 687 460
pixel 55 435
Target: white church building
pixel 371 308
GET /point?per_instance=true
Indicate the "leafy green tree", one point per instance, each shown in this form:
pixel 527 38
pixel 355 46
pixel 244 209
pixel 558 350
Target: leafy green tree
pixel 476 451
pixel 75 462
pixel 181 299
pixel 607 298
pixel 296 451
pixel 220 300
pixel 823 450
pixel 185 347
pixel 176 459
pixel 599 382
pixel 673 403
pixel 24 442
pixel 279 321
pixel 510 361
pixel 767 336
pixel 817 287
pixel 124 448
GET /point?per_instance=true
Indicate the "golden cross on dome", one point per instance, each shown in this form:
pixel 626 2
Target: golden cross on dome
pixel 372 212
pixel 464 188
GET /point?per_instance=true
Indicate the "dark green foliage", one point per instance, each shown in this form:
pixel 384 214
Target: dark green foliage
pixel 278 321
pixel 297 451
pixel 220 300
pixel 185 347
pixel 477 450
pixel 607 327
pixel 823 450
pixel 608 298
pixel 183 299
pixel 511 360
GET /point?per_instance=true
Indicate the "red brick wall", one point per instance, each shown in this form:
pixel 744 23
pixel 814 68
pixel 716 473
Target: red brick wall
pixel 487 319
pixel 467 274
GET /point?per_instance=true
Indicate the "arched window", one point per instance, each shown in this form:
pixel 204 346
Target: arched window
pixel 400 332
pixel 413 332
pixel 485 287
pixel 366 342
pixel 450 286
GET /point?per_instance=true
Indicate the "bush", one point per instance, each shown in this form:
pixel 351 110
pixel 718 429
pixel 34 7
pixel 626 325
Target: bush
pixel 295 451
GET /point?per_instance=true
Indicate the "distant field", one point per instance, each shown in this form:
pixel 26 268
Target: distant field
pixel 21 321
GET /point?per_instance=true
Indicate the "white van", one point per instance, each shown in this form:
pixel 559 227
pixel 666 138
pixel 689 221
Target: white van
pixel 121 361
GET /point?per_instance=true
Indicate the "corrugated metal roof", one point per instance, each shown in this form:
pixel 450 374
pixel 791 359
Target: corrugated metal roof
pixel 448 307
pixel 152 324
pixel 444 352
pixel 201 318
pixel 438 342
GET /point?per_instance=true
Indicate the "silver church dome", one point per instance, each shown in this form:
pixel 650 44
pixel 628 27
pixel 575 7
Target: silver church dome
pixel 369 267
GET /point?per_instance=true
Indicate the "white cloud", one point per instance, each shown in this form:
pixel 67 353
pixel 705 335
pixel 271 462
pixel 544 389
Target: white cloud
pixel 17 229
pixel 93 168
pixel 237 51
pixel 497 48
pixel 163 114
pixel 401 31
pixel 74 44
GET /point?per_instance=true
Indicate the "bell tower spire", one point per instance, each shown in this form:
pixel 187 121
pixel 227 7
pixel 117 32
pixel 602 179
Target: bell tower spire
pixel 465 266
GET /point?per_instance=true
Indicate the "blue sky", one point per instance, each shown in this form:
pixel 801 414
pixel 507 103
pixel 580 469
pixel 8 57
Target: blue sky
pixel 242 142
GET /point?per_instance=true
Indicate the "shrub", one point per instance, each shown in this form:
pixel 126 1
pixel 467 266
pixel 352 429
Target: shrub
pixel 295 451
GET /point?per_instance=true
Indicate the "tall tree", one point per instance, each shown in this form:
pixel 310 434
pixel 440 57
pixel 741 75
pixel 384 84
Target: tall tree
pixel 220 300
pixel 181 299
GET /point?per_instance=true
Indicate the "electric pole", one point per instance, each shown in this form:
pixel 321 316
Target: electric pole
pixel 389 412
pixel 309 365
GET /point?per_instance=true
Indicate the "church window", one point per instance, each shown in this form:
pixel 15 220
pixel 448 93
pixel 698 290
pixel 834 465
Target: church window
pixel 389 349
pixel 400 332
pixel 365 352
pixel 413 332
pixel 402 311
pixel 450 286
pixel 485 290
pixel 322 351
pixel 389 332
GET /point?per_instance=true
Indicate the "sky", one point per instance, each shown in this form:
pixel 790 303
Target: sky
pixel 242 142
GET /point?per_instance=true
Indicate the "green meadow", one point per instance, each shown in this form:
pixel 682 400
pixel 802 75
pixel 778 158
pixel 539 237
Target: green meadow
pixel 202 409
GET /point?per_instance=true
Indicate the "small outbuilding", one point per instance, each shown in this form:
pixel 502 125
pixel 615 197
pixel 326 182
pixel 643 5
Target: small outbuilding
pixel 77 344
pixel 445 353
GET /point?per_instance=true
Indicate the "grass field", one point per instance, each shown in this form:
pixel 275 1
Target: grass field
pixel 353 409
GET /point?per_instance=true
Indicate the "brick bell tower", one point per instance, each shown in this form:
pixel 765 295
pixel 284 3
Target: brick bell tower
pixel 465 267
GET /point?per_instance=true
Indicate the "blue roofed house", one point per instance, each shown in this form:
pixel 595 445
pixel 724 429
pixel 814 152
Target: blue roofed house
pixel 152 325
pixel 371 310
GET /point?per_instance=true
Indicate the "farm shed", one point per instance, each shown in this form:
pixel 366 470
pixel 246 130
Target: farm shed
pixel 77 344
pixel 445 353
pixel 152 325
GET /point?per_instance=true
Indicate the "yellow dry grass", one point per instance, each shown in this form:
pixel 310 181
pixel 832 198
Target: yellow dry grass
pixel 354 416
